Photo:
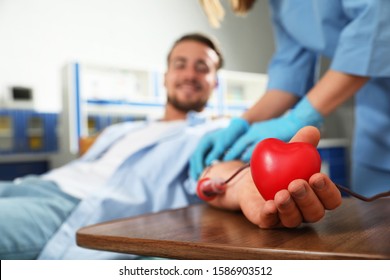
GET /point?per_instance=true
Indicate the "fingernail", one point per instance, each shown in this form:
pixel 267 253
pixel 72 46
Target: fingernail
pixel 319 184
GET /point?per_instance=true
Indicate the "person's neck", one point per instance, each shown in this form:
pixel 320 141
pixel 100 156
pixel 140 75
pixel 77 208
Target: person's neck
pixel 173 115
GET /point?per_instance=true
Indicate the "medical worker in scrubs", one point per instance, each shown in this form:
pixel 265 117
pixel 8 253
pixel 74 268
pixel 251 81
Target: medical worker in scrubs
pixel 355 35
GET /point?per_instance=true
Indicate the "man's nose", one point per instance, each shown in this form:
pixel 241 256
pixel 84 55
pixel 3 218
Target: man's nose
pixel 190 72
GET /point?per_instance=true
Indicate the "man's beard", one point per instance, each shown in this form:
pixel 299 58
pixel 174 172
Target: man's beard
pixel 197 106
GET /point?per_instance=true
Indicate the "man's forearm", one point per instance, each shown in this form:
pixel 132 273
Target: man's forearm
pixel 231 199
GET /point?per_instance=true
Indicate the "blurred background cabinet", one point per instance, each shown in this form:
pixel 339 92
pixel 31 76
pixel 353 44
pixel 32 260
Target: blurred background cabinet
pixel 27 139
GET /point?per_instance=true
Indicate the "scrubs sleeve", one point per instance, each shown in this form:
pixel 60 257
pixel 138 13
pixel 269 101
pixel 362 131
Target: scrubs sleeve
pixel 364 44
pixel 292 67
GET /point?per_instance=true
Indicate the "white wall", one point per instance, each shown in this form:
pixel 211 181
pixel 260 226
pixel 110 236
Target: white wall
pixel 38 37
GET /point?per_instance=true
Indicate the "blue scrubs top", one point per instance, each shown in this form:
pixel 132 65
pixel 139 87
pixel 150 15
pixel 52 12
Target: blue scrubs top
pixel 355 35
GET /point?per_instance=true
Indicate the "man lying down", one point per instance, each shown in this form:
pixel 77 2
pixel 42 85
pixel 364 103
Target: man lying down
pixel 132 168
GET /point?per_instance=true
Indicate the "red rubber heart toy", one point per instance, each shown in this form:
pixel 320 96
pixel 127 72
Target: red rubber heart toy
pixel 274 164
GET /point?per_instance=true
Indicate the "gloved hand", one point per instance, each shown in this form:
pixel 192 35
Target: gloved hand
pixel 213 145
pixel 282 128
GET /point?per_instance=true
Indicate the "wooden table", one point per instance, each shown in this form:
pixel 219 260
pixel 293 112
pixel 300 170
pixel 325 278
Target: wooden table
pixel 356 230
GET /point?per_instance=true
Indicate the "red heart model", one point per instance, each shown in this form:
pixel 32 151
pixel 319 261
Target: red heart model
pixel 274 164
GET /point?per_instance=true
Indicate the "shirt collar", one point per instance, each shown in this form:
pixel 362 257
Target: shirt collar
pixel 195 118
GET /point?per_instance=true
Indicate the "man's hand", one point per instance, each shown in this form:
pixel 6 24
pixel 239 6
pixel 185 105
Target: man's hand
pixel 302 202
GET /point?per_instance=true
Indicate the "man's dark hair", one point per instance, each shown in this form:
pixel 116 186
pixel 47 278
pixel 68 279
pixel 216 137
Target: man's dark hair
pixel 203 39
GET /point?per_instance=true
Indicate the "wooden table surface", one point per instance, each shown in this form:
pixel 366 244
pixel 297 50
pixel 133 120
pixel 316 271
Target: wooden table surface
pixel 356 230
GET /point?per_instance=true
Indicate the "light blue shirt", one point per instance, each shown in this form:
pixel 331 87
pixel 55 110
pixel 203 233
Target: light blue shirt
pixel 355 35
pixel 153 179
